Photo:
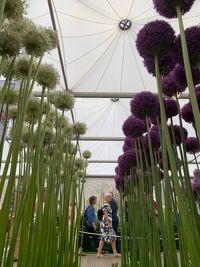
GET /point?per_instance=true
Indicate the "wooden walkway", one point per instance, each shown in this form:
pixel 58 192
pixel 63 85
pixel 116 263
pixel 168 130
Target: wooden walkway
pixel 107 261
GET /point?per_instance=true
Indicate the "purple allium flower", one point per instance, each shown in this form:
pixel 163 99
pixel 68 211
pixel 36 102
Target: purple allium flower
pixel 155 139
pixel 117 169
pixel 133 127
pixel 196 185
pixel 196 173
pixel 167 8
pixel 155 38
pixel 154 120
pixel 177 132
pixel 192 145
pixel 171 108
pixel 119 182
pixel 197 88
pixel 154 128
pixel 166 64
pixel 193 42
pixel 170 88
pixel 127 160
pixel 128 144
pixel 187 113
pixel 179 77
pixel 145 104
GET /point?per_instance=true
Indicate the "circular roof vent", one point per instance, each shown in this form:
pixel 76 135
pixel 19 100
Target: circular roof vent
pixel 114 99
pixel 125 24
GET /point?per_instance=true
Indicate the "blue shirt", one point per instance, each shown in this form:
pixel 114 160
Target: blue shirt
pixel 91 215
pixel 113 205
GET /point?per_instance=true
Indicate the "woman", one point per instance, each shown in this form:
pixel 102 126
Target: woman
pixel 108 234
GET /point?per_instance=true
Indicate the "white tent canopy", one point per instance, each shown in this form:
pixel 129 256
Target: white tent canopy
pixel 99 57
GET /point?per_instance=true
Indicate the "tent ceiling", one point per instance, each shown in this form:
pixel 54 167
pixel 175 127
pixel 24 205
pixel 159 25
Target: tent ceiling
pixel 100 57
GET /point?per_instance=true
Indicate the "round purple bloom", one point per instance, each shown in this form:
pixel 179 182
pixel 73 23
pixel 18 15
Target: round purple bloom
pixel 154 128
pixel 169 86
pixel 192 145
pixel 155 38
pixel 128 144
pixel 127 160
pixel 187 113
pixel 167 8
pixel 196 173
pixel 171 108
pixel 166 64
pixel 193 42
pixel 177 132
pixel 119 182
pixel 133 127
pixel 155 139
pixel 145 104
pixel 197 88
pixel 179 77
pixel 196 185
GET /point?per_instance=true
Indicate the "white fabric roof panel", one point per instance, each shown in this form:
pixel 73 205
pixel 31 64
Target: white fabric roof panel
pixel 99 57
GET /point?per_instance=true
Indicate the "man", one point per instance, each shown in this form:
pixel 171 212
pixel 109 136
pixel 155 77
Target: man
pixel 115 220
pixel 90 224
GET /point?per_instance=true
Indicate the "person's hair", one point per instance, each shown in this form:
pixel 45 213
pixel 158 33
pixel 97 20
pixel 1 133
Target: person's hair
pixel 111 193
pixel 92 199
pixel 106 195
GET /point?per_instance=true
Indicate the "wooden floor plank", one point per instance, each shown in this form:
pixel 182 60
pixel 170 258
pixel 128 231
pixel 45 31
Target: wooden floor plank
pixel 91 261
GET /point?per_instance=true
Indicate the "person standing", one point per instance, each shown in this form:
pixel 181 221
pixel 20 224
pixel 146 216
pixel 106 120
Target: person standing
pixel 108 233
pixel 90 224
pixel 115 220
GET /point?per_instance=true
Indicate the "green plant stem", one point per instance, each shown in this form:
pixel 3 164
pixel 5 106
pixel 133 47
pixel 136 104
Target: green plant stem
pixel 188 72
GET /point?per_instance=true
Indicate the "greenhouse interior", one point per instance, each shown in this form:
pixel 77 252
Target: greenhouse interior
pixel 100 133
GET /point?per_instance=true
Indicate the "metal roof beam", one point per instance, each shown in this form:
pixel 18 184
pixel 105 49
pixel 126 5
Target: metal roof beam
pixel 112 95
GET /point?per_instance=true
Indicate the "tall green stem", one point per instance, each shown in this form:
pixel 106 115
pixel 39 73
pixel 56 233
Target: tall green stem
pixel 188 72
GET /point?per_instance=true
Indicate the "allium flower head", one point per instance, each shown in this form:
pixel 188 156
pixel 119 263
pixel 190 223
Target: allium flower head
pixel 155 139
pixel 62 122
pixel 14 9
pixel 23 66
pixel 170 88
pixel 187 113
pixel 12 112
pixel 25 137
pixel 127 160
pixel 118 182
pixel 45 107
pixel 79 163
pixel 145 104
pixel 10 41
pixel 72 149
pixel 38 40
pixel 86 154
pixel 133 127
pixel 166 64
pixel 179 76
pixel 192 145
pixel 63 100
pixel 47 76
pixel 197 88
pixel 11 97
pixel 171 108
pixel 128 144
pixel 48 136
pixel 33 108
pixel 155 38
pixel 167 8
pixel 177 132
pixel 196 173
pixel 193 43
pixel 196 185
pixel 79 128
